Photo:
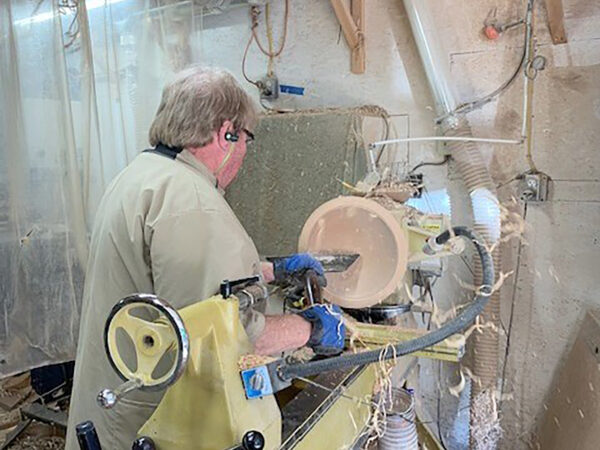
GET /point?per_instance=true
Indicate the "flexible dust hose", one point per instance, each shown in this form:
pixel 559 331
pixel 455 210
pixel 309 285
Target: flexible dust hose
pixel 486 217
pixel 462 321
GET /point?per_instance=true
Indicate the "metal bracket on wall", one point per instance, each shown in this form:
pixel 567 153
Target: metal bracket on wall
pixel 533 187
pixel 269 88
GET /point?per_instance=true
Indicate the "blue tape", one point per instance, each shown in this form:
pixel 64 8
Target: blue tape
pixel 287 89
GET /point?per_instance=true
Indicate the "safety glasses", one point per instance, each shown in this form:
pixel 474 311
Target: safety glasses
pixel 249 136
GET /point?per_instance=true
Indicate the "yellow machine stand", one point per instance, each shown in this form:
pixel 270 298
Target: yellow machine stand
pixel 318 419
pixel 207 408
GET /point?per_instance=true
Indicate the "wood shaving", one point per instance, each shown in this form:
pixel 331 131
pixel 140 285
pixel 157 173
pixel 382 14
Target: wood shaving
pixel 485 424
pixel 38 443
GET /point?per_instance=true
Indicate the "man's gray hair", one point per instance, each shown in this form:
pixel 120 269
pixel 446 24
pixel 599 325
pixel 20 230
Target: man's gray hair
pixel 194 106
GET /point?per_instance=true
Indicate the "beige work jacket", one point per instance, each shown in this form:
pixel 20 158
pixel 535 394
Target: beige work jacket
pixel 162 227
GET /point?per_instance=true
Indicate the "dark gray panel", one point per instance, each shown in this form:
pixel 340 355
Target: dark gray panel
pixel 292 168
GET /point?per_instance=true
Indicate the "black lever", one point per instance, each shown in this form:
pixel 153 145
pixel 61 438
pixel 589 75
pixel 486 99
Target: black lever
pixel 143 443
pixel 226 289
pixel 87 436
pixel 253 440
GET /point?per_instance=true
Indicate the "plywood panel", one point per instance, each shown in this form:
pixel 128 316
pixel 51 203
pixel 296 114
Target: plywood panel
pixel 573 416
pixel 295 166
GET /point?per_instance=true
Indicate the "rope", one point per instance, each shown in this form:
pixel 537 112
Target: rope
pixel 255 12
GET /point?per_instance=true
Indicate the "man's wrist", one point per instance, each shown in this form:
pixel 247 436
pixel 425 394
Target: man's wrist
pixel 267 271
pixel 316 327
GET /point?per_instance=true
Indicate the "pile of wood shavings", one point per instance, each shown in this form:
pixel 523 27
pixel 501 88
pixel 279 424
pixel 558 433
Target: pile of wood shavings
pixel 249 361
pixel 485 422
pixel 38 443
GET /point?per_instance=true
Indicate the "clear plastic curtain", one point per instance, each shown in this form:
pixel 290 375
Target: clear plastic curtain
pixel 78 89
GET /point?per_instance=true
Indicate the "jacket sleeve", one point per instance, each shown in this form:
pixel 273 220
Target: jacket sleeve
pixel 192 252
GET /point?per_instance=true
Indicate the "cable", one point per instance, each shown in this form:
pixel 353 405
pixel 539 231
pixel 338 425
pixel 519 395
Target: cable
pixel 385 138
pixel 255 12
pixel 269 38
pixel 431 163
pixel 512 308
pixel 430 292
pixel 470 106
pixel 529 80
pixel 244 63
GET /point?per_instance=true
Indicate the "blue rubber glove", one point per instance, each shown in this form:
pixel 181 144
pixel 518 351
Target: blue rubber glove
pixel 289 265
pixel 328 329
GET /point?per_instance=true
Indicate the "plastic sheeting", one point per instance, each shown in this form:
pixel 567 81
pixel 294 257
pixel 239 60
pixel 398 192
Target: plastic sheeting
pixel 78 89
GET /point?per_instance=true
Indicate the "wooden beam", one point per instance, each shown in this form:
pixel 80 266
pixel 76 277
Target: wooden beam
pixel 556 21
pixel 358 53
pixel 349 28
pixel 352 23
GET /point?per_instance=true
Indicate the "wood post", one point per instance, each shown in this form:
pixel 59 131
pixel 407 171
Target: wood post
pixel 353 26
pixel 556 21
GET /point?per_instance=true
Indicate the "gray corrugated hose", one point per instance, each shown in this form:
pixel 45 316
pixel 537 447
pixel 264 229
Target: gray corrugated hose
pixel 486 217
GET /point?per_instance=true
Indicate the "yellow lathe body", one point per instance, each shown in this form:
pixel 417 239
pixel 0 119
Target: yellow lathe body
pixel 207 408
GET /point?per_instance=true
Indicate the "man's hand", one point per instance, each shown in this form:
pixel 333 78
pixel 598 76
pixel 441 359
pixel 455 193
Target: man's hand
pixel 294 264
pixel 328 329
pixel 266 269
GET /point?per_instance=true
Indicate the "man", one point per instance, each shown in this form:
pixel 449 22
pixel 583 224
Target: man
pixel 163 227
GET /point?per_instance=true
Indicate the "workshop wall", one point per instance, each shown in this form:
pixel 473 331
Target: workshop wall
pixel 556 264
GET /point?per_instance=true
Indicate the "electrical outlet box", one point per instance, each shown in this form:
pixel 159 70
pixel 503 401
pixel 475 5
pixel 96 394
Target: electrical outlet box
pixel 534 187
pixel 269 88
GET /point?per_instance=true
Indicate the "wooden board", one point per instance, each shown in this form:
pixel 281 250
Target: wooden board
pixel 556 21
pixel 352 22
pixel 572 420
pixel 358 53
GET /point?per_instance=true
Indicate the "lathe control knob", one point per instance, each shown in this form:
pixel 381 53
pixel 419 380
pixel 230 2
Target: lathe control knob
pixel 257 382
pixel 143 443
pixel 253 440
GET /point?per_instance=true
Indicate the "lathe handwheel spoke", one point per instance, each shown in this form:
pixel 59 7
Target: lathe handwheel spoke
pixel 152 340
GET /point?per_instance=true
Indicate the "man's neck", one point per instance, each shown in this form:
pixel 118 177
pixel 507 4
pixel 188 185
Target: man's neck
pixel 207 155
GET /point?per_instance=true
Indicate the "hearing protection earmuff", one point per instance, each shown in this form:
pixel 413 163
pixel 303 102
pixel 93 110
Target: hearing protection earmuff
pixel 232 137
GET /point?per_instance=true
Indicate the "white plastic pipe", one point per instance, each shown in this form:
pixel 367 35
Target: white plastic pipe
pixel 447 138
pixel 434 59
